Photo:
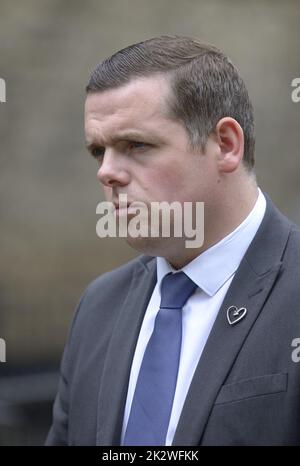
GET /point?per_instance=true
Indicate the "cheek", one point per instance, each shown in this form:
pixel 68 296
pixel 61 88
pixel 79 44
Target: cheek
pixel 167 183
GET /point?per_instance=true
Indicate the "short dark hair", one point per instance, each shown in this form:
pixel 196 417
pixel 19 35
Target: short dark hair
pixel 205 84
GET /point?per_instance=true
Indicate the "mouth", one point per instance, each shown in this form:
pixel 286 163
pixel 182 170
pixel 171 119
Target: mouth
pixel 121 209
pixel 123 206
pixel 127 208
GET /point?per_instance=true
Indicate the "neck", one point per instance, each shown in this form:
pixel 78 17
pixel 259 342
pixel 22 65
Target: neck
pixel 219 221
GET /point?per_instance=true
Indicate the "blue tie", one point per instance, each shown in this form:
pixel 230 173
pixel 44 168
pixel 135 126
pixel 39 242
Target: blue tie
pixel 155 388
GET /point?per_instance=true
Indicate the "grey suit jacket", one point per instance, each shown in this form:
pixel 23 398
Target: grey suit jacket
pixel 246 388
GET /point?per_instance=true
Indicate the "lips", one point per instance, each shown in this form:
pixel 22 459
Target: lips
pixel 128 208
pixel 122 205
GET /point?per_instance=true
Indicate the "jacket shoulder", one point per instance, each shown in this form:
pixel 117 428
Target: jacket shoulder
pixel 121 274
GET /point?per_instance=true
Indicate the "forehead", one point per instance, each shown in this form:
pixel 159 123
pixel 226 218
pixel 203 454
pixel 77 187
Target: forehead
pixel 141 105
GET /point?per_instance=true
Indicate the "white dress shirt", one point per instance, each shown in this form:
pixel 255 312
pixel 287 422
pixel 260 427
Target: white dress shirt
pixel 212 271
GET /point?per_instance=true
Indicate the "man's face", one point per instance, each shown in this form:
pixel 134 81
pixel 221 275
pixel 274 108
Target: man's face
pixel 142 152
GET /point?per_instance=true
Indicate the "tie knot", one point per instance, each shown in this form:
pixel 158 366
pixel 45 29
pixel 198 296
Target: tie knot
pixel 176 288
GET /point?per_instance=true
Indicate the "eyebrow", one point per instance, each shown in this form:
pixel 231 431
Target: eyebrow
pixel 122 136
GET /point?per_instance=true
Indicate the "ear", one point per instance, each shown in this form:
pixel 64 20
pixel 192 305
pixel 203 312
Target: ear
pixel 230 139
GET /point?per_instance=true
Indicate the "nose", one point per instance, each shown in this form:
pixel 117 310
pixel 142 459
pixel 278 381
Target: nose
pixel 112 171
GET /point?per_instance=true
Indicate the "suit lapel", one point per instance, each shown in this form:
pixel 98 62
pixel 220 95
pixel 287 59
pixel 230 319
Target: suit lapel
pixel 222 347
pixel 116 372
pixel 250 288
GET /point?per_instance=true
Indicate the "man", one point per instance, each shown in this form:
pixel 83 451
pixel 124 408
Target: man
pixel 183 346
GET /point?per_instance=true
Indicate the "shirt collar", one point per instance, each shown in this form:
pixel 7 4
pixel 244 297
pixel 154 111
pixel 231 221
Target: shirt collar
pixel 211 269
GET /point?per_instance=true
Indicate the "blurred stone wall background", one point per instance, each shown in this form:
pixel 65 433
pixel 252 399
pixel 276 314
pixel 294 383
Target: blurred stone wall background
pixel 48 186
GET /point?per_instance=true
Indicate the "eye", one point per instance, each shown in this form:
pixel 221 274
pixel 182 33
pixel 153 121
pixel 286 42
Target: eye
pixel 137 145
pixel 98 152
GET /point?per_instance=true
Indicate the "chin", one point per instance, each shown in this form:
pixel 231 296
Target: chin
pixel 157 247
pixel 148 246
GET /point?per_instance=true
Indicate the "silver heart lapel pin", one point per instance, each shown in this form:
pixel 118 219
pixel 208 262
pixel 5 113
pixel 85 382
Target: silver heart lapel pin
pixel 234 315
